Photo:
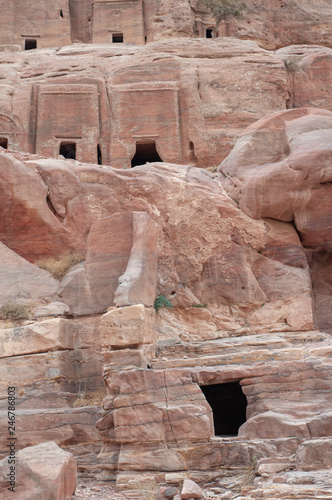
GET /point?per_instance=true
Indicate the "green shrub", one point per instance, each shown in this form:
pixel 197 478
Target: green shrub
pixel 224 10
pixel 14 312
pixel 161 301
pixel 199 305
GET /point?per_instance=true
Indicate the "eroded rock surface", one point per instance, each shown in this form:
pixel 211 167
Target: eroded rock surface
pixel 43 471
pixel 239 259
pixel 271 23
pixel 281 169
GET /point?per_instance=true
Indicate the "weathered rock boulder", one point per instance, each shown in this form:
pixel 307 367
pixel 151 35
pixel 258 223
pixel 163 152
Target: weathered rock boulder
pixel 314 454
pixel 191 490
pixel 43 471
pixel 22 281
pixel 280 169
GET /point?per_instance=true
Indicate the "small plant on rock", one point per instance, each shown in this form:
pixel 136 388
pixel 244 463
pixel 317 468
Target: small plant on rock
pixel 14 312
pixel 161 301
pixel 93 398
pixel 58 267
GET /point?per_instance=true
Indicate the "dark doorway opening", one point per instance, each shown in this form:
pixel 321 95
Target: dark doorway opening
pixel 4 142
pixel 68 150
pixel 100 159
pixel 228 405
pixel 192 156
pixel 209 33
pixel 61 13
pixel 117 38
pixel 146 152
pixel 30 44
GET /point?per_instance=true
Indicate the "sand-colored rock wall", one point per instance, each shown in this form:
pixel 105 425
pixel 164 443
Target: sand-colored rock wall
pixel 188 101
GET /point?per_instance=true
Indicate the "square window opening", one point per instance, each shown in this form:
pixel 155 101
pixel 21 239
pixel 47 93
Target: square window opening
pixel 117 38
pixel 30 44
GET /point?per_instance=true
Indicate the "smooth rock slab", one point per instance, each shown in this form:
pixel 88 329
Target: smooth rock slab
pixel 127 326
pixel 44 336
pixel 21 281
pixel 44 471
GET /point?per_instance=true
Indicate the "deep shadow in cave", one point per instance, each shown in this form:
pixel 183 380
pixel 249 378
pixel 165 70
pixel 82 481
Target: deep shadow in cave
pixel 228 405
pixel 146 152
pixel 30 44
pixel 68 150
pixel 4 142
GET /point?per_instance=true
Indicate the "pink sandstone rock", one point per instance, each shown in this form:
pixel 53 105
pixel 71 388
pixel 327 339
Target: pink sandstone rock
pixel 50 335
pixel 233 274
pixel 271 24
pixel 314 454
pixel 280 169
pixel 291 150
pixel 309 69
pixel 28 225
pixel 106 260
pixel 21 281
pixel 191 490
pixel 194 86
pixel 123 327
pixel 138 285
pixel 43 471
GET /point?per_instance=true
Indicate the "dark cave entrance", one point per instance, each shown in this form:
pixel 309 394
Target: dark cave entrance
pixel 99 155
pixel 228 405
pixel 4 142
pixel 68 150
pixel 30 44
pixel 146 152
pixel 209 33
pixel 117 38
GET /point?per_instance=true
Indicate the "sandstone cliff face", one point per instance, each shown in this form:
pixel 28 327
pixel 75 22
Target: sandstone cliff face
pixel 197 97
pixel 243 254
pixel 271 173
pixel 278 23
pixel 194 96
pixel 218 256
pixel 270 23
pixel 240 287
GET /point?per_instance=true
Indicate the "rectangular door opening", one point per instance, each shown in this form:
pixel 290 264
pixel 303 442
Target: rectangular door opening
pixel 68 150
pixel 146 152
pixel 209 33
pixel 30 44
pixel 228 404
